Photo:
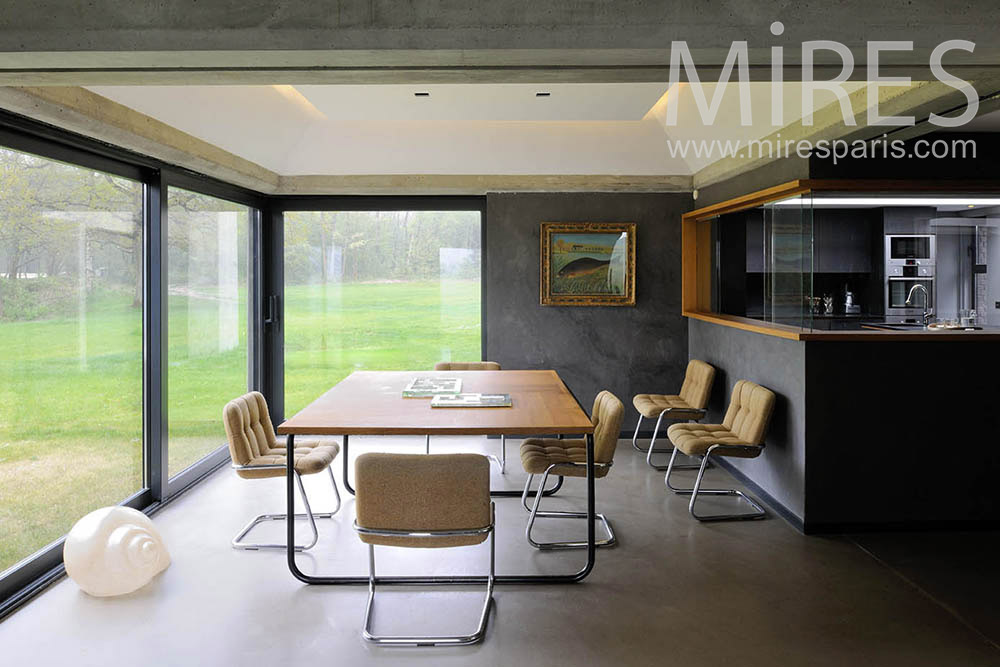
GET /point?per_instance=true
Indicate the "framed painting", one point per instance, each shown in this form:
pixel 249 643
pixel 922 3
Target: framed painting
pixel 588 264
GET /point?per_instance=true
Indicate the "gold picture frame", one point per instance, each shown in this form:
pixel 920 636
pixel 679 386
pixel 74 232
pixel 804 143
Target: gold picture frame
pixel 587 264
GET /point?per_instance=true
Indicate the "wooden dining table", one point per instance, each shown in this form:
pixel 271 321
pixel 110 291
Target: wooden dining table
pixel 372 403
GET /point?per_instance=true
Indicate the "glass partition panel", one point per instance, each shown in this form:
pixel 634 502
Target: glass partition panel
pixel 71 243
pixel 788 239
pixel 377 290
pixel 207 282
pixel 964 288
pixel 763 263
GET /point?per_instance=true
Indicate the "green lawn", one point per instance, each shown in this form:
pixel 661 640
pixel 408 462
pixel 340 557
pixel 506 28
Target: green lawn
pixel 333 330
pixel 71 433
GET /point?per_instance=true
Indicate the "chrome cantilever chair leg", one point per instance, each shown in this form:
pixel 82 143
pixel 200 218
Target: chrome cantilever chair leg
pixel 250 546
pixel 417 640
pixel 534 513
pixel 694 492
pixel 500 461
pixel 665 450
pixel 635 436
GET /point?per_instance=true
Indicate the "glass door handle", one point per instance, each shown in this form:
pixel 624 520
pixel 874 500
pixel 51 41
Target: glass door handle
pixel 271 310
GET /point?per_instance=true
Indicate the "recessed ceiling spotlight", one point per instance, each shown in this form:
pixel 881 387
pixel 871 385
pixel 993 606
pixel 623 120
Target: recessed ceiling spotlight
pixel 421 93
pixel 972 206
pixel 542 94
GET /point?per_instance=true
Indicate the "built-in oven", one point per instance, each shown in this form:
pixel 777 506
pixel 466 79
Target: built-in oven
pixel 909 261
pixel 899 289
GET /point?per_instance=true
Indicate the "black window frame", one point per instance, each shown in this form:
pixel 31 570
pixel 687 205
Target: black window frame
pixel 255 202
pixel 31 575
pixel 265 354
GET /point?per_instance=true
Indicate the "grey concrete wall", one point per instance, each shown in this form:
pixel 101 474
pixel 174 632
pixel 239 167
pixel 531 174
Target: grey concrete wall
pixel 112 25
pixel 780 365
pixel 628 350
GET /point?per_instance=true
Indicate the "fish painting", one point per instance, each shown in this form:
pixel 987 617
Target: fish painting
pixel 583 261
pixel 584 266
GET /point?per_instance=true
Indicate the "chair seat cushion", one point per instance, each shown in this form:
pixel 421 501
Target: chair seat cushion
pixel 537 454
pixel 695 439
pixel 651 405
pixel 311 456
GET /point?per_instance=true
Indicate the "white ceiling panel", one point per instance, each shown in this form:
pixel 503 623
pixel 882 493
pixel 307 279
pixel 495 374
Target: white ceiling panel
pixel 487 102
pixel 458 128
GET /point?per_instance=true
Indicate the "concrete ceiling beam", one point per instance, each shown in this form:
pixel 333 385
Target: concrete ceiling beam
pixel 103 42
pixel 429 25
pixel 919 100
pixel 428 67
pixel 87 113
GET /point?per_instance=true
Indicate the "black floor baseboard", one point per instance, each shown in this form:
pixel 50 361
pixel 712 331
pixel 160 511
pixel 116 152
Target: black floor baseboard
pixel 813 528
pixel 763 495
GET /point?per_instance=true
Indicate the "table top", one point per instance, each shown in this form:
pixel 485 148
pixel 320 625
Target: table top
pixel 372 403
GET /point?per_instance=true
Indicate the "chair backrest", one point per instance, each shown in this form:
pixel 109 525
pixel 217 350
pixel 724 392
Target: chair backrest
pixel 467 366
pixel 248 427
pixel 422 492
pixel 607 418
pixel 697 385
pixel 749 412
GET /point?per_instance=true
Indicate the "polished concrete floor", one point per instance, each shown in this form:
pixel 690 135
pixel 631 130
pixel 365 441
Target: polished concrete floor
pixel 673 592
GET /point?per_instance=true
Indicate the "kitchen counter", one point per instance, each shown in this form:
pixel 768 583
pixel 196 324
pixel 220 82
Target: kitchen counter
pixel 888 332
pixel 846 396
pixel 887 326
pixel 855 333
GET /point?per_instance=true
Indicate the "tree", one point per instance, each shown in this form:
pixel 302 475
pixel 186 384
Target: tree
pixel 52 215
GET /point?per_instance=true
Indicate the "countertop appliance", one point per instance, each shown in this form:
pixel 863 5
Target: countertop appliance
pixel 909 261
pixel 850 308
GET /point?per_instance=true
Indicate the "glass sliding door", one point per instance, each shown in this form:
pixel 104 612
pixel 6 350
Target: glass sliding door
pixel 377 290
pixel 71 358
pixel 207 283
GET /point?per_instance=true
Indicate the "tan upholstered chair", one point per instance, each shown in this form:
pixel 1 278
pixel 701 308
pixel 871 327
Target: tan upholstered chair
pixel 412 500
pixel 688 404
pixel 501 460
pixel 741 434
pixel 544 456
pixel 256 453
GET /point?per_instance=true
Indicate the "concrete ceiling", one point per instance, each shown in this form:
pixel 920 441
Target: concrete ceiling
pixel 52 42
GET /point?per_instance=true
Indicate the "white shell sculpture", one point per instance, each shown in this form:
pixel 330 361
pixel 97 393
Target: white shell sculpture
pixel 114 551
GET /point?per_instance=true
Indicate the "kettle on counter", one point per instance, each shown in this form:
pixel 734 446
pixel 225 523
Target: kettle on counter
pixel 850 308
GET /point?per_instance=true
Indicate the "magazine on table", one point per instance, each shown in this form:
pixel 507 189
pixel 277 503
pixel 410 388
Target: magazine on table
pixel 426 387
pixel 472 401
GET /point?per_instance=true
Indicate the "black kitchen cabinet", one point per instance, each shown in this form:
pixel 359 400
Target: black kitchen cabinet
pixel 842 241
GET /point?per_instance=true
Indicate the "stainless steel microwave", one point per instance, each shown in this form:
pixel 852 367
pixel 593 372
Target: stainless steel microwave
pixel 918 247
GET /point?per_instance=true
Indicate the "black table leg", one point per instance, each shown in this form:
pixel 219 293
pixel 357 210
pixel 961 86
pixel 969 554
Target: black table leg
pixel 410 581
pixel 347 482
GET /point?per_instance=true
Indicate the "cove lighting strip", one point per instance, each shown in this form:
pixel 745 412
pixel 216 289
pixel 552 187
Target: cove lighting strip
pixel 889 201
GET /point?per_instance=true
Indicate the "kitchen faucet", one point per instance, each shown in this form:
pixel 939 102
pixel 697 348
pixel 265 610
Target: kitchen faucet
pixel 909 301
